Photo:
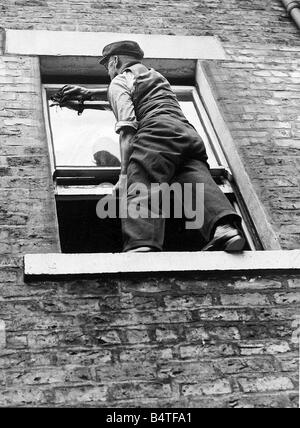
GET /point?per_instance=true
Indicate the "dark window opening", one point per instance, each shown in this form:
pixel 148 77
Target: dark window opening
pixel 82 231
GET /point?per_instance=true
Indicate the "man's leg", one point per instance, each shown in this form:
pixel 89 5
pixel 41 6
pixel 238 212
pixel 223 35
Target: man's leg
pixel 145 232
pixel 221 224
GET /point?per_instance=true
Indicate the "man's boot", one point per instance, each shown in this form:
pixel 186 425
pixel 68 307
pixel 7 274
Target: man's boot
pixel 226 238
pixel 141 250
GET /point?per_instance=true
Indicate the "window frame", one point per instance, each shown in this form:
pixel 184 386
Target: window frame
pixel 95 191
pixel 185 91
pixel 56 51
pixel 263 228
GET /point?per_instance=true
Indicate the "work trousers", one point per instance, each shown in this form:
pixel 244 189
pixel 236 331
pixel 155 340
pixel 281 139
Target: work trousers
pixel 167 150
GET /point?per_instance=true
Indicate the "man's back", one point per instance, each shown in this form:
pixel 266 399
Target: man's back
pixel 148 90
pixel 152 94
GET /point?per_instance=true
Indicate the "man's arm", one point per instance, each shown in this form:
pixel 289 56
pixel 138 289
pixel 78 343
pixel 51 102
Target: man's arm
pixel 120 99
pixel 79 106
pixel 126 148
pixel 79 98
pixel 73 92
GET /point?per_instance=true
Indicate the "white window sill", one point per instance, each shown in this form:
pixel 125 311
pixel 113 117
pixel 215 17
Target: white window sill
pixel 105 263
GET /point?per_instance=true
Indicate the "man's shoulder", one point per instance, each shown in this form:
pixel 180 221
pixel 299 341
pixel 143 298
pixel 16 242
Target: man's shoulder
pixel 123 81
pixel 118 83
pixel 120 78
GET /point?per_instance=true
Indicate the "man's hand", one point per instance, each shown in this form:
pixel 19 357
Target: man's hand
pixel 73 92
pixel 72 97
pixel 121 185
pixel 72 105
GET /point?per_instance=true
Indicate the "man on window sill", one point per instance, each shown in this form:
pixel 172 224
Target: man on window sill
pixel 158 145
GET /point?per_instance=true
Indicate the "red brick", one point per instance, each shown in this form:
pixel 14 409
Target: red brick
pixel 137 389
pixel 138 336
pixel 121 372
pixel 80 395
pixel 287 298
pixel 205 350
pixel 214 388
pixel 247 299
pixel 268 383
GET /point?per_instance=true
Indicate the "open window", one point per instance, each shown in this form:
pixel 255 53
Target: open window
pixel 85 163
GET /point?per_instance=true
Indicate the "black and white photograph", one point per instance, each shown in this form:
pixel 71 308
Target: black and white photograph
pixel 149 207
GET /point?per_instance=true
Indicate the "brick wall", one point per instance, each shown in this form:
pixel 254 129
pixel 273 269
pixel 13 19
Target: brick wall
pixel 162 341
pixel 259 93
pixel 27 210
pixel 166 341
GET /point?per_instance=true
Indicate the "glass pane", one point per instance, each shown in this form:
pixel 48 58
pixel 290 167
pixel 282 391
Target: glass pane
pixel 90 139
pixel 191 114
pixel 79 140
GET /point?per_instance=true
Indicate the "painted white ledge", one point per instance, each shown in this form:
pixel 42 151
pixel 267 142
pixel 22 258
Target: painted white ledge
pixel 75 43
pixel 91 264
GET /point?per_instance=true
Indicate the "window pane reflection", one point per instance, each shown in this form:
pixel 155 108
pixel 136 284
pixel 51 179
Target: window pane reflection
pixel 191 114
pixel 90 139
pixel 77 139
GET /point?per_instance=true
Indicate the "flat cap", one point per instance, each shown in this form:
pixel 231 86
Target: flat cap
pixel 125 47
